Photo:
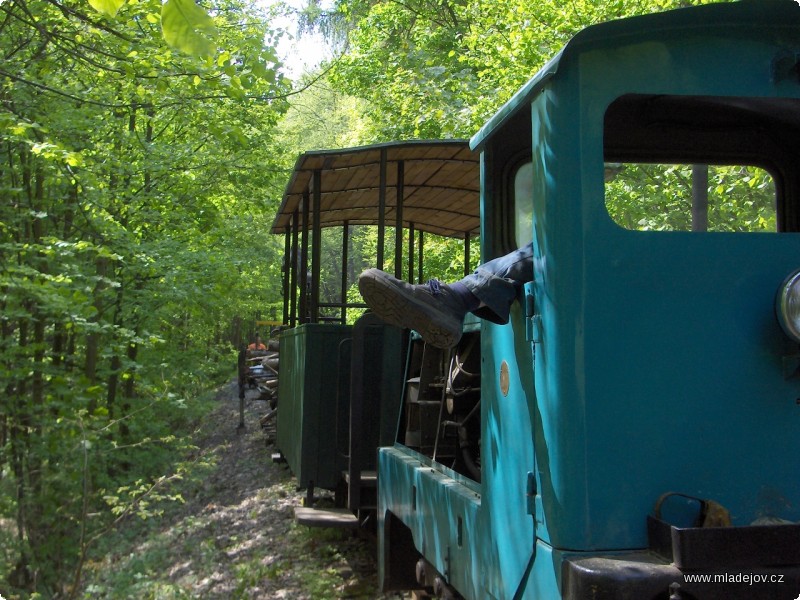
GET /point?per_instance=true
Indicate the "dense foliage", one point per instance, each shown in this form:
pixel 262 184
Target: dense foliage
pixel 440 68
pixel 134 180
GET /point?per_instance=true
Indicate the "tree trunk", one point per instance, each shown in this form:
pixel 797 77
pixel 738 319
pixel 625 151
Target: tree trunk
pixel 93 338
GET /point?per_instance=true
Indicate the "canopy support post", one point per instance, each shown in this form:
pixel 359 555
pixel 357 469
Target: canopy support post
pixel 293 260
pixel 411 234
pixel 381 208
pixel 287 268
pixel 345 269
pixel 467 270
pixel 398 228
pixel 304 261
pixel 419 255
pixel 316 244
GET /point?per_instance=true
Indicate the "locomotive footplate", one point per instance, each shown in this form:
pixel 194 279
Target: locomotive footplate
pixel 648 576
pixel 716 563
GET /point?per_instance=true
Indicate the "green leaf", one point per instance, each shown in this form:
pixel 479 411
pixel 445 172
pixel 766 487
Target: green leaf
pixel 107 7
pixel 188 27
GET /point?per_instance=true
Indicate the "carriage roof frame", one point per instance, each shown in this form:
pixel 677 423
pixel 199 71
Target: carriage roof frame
pixel 437 183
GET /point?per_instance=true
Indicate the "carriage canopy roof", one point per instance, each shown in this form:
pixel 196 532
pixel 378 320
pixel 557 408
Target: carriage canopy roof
pixel 439 179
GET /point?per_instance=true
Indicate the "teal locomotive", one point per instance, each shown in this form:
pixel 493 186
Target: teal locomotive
pixel 634 431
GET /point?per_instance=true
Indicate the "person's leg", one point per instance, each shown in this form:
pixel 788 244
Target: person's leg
pixel 437 310
pixel 434 309
pixel 496 283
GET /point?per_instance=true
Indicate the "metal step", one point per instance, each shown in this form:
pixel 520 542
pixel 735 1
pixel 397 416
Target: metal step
pixel 368 478
pixel 340 518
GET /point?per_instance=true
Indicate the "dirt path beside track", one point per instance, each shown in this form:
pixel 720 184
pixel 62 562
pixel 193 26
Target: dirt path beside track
pixel 235 537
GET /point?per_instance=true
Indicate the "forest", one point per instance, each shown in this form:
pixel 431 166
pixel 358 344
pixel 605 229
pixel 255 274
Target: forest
pixel 145 148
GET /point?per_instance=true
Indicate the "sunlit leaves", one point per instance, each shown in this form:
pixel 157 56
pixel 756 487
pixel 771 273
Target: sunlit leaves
pixel 188 27
pixel 232 38
pixel 107 7
pixel 433 68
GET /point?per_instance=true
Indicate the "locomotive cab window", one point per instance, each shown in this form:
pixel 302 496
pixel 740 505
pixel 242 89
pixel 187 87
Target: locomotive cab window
pixel 697 163
pixel 681 197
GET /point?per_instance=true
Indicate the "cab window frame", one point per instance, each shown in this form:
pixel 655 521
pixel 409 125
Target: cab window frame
pixel 714 130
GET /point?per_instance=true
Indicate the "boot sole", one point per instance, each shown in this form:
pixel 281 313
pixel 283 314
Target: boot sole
pixel 402 310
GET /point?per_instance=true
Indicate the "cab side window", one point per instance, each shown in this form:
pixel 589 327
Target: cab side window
pixel 702 163
pixel 681 197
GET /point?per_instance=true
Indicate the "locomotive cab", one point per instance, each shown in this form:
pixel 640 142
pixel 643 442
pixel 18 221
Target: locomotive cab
pixel 639 415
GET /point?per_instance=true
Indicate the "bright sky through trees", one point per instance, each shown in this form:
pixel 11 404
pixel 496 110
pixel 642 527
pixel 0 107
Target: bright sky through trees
pixel 303 52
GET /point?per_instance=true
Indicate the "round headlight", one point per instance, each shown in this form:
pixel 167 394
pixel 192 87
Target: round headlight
pixel 787 305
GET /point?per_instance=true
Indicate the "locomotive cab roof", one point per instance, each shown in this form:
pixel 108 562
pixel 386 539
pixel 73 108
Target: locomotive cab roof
pixel 748 17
